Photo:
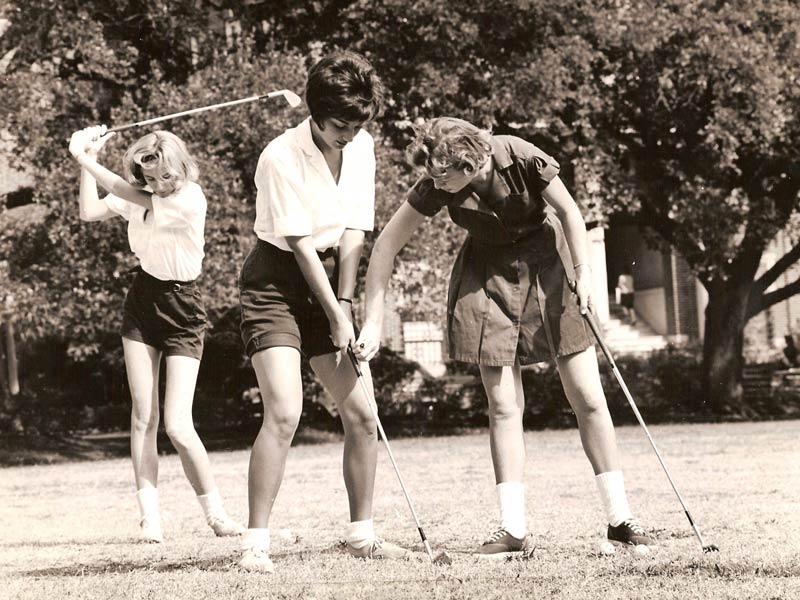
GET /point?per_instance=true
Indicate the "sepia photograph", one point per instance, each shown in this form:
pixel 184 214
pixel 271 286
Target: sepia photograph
pixel 399 299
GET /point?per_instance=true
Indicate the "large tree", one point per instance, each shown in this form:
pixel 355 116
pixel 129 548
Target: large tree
pixel 682 115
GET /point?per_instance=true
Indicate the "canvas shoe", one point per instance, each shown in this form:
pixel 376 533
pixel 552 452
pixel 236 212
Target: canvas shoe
pixel 150 529
pixel 502 544
pixel 256 560
pixel 629 533
pixel 224 526
pixel 378 549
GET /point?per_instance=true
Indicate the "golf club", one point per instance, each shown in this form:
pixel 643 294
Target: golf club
pixel 593 326
pixel 442 558
pixel 291 98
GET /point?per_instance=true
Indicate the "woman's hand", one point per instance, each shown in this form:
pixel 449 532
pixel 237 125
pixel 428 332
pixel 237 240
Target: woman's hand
pixel 583 288
pixel 342 333
pixel 89 140
pixel 368 342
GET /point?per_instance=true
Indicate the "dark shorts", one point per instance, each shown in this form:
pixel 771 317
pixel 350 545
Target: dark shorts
pixel 278 308
pixel 626 300
pixel 167 315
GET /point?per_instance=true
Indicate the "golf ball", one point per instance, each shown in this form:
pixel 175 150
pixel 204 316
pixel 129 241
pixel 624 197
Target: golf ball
pixel 641 550
pixel 607 548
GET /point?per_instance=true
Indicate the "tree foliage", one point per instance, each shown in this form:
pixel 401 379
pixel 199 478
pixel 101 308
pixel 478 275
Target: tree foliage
pixel 679 115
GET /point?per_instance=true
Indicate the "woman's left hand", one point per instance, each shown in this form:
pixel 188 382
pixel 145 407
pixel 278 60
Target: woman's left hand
pixel 583 289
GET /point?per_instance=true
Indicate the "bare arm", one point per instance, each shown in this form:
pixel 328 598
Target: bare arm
pixel 557 196
pixel 350 246
pixel 84 145
pixel 391 240
pixel 314 273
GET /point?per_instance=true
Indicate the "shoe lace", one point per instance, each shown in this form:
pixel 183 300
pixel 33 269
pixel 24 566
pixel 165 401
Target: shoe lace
pixel 635 526
pixel 495 536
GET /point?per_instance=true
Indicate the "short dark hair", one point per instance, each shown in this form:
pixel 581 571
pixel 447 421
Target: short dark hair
pixel 344 85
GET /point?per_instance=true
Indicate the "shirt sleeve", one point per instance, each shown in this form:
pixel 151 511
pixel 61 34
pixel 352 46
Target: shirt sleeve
pixel 181 209
pixel 362 213
pixel 541 168
pixel 425 198
pixel 119 206
pixel 280 194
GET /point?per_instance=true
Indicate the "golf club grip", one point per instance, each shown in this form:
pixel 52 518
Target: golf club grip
pixel 352 356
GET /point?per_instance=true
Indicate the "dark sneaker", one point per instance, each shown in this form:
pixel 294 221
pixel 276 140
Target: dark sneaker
pixel 502 544
pixel 629 533
pixel 378 549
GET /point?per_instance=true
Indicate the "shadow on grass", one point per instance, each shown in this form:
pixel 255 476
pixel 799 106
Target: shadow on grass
pixel 23 450
pixel 223 563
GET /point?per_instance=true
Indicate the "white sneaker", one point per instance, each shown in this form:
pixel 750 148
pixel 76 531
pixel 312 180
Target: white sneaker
pixel 256 560
pixel 224 526
pixel 150 529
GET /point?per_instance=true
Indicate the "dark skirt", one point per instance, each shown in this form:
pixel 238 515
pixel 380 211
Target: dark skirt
pixel 512 303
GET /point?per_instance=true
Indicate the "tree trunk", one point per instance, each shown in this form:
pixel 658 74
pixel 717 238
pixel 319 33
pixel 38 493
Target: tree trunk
pixel 723 361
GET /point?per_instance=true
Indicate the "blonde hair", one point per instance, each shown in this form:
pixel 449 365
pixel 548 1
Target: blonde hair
pixel 449 143
pixel 161 151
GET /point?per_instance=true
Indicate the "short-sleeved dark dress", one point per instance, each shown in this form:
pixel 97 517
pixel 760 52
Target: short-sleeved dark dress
pixel 509 299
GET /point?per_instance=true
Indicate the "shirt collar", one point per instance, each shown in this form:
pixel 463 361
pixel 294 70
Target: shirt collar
pixel 502 157
pixel 304 139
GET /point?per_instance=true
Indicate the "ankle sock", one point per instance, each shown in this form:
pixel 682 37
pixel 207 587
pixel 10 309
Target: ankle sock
pixel 360 533
pixel 611 486
pixel 211 503
pixel 147 498
pixel 256 538
pixel 511 499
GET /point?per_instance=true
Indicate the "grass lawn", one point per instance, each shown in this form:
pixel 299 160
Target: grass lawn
pixel 69 530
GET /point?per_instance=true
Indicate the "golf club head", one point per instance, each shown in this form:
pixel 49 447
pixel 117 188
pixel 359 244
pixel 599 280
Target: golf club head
pixel 710 548
pixel 291 98
pixel 442 558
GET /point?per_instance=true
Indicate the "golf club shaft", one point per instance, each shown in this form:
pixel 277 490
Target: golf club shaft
pixel 196 110
pixel 374 408
pixel 593 326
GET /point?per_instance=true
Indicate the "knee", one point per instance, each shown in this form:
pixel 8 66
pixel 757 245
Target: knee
pixel 144 421
pixel 281 423
pixel 181 432
pixel 361 423
pixel 504 409
pixel 588 402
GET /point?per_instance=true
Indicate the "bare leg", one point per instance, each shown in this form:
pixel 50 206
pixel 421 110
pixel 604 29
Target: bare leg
pixel 142 364
pixel 360 429
pixel 178 400
pixel 503 387
pixel 280 383
pixel 580 377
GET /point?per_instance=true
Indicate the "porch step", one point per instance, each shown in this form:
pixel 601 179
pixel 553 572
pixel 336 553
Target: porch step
pixel 625 338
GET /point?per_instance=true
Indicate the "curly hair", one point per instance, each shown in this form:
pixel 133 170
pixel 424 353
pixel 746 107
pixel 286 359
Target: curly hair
pixel 449 143
pixel 162 151
pixel 344 85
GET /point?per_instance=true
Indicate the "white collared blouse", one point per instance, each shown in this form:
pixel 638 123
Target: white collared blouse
pixel 298 196
pixel 169 240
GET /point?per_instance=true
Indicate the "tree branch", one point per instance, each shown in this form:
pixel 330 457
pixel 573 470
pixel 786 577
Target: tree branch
pixel 764 301
pixel 771 275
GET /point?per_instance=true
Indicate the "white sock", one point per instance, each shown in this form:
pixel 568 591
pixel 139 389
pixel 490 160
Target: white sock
pixel 147 497
pixel 257 539
pixel 511 498
pixel 360 533
pixel 211 503
pixel 611 486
